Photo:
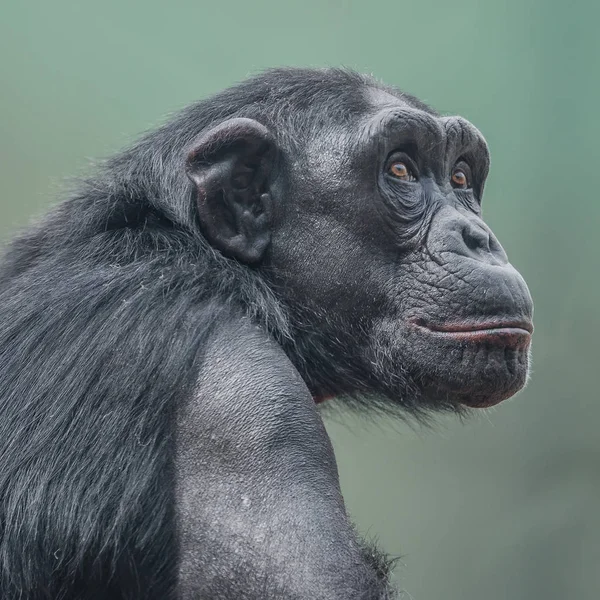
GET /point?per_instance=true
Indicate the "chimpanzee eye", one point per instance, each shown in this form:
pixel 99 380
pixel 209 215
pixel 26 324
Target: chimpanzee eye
pixel 401 170
pixel 461 176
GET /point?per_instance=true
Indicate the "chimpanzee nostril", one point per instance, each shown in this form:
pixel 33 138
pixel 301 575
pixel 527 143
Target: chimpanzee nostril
pixel 480 243
pixel 475 238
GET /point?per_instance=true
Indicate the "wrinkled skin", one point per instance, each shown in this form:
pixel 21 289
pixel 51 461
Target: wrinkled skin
pixel 167 332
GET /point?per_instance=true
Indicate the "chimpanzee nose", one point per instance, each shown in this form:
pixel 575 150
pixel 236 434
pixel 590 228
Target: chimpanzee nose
pixel 475 238
pixel 464 234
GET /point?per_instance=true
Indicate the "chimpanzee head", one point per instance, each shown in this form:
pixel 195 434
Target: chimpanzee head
pixel 361 207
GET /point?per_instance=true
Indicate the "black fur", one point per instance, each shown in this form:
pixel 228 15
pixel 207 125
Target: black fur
pixel 105 308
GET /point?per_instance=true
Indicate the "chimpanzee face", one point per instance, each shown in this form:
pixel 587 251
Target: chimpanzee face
pixel 383 253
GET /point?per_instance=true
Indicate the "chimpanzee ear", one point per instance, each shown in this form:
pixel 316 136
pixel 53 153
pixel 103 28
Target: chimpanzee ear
pixel 230 167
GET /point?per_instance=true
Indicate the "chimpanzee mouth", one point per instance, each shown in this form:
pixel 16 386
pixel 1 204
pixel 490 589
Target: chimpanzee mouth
pixel 507 333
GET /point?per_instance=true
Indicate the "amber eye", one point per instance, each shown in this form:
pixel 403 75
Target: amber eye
pixel 399 170
pixel 461 176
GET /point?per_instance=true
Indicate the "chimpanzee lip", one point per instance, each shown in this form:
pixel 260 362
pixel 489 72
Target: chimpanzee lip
pixel 508 333
pixel 473 327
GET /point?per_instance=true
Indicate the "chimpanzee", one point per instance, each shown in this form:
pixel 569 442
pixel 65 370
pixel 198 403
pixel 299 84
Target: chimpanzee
pixel 167 331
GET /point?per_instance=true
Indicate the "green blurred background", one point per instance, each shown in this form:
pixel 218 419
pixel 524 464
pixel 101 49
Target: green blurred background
pixel 507 505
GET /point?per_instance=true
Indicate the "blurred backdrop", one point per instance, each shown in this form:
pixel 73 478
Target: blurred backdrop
pixel 507 505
